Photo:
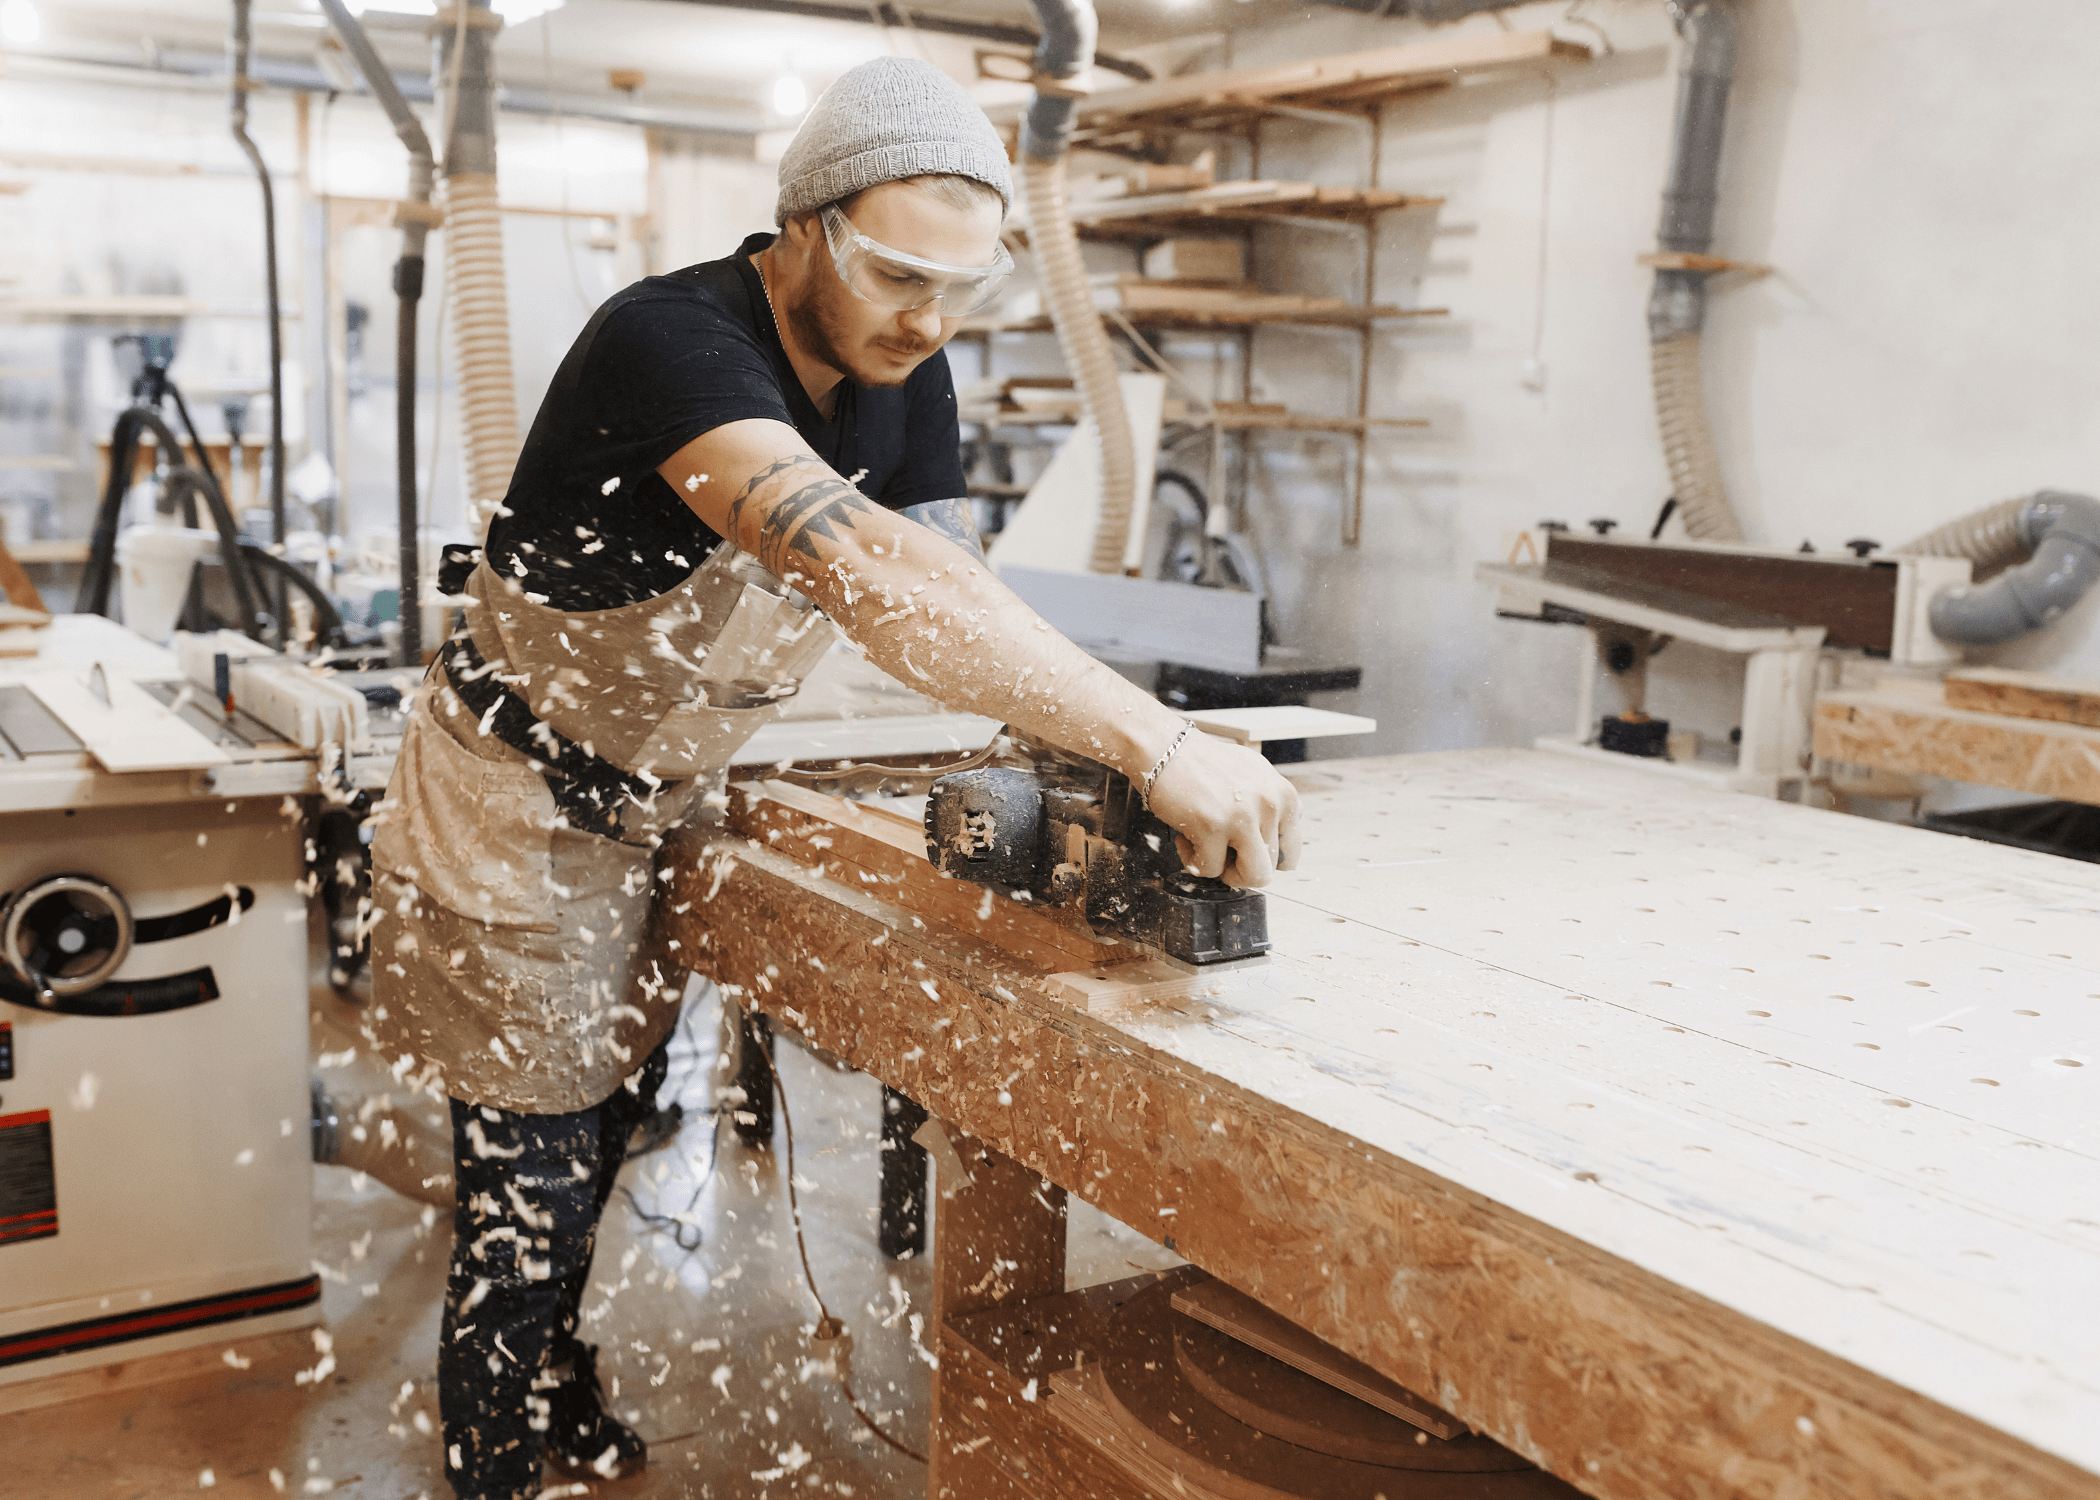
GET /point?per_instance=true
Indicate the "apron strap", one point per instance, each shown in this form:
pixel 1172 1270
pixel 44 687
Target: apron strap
pixel 588 790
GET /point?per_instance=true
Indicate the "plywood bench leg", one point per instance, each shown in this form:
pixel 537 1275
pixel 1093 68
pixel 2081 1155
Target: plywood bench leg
pixel 998 1236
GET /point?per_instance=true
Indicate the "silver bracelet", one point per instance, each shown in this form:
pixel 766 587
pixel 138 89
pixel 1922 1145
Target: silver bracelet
pixel 1188 727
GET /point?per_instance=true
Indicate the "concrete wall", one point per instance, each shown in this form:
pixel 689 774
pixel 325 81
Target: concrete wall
pixel 1917 170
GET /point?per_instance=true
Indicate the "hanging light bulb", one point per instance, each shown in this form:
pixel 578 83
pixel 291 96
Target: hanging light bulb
pixel 20 25
pixel 790 96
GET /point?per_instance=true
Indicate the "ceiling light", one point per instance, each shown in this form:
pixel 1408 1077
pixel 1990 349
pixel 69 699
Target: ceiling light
pixel 20 25
pixel 790 96
pixel 518 12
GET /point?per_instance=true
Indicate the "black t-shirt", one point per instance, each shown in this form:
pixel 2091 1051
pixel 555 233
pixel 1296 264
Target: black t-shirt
pixel 665 361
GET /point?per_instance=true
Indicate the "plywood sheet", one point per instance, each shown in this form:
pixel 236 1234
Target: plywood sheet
pixel 2025 695
pixel 1902 726
pixel 1686 1143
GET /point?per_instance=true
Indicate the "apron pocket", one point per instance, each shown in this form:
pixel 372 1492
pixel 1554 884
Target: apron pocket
pixel 473 834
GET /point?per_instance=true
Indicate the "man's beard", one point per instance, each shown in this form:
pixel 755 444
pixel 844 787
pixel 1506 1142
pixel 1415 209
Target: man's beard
pixel 825 337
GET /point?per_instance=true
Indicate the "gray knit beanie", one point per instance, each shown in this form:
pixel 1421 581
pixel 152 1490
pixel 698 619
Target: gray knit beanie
pixel 889 118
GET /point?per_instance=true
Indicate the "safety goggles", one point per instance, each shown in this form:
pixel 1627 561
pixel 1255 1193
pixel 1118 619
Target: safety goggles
pixel 890 278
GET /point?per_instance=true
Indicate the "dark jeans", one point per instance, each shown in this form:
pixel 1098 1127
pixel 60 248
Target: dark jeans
pixel 531 1189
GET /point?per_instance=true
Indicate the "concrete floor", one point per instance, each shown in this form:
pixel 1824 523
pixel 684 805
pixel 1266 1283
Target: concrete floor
pixel 700 1321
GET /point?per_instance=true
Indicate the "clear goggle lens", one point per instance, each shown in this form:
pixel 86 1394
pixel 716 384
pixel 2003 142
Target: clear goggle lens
pixel 890 278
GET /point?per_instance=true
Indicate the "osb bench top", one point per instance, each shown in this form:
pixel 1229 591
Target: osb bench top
pixel 1690 1143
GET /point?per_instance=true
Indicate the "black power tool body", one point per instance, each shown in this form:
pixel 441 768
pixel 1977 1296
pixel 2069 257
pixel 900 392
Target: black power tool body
pixel 1078 837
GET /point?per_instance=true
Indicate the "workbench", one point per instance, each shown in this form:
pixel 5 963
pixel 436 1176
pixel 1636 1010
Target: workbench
pixel 1689 1144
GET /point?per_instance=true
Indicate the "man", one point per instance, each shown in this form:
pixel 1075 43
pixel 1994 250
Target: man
pixel 720 448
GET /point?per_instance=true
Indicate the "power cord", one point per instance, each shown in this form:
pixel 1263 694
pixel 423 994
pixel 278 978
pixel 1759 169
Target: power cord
pixel 679 1223
pixel 829 1328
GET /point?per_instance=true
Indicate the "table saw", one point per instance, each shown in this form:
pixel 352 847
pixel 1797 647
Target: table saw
pixel 1684 1143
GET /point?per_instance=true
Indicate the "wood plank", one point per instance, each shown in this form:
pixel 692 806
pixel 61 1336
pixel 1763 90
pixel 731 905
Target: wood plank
pixel 20 591
pixel 132 731
pixel 1693 617
pixel 1487 1157
pixel 1899 730
pixel 1000 1434
pixel 1286 721
pixel 1235 1313
pixel 998 1241
pixel 1685 260
pixel 1853 599
pixel 886 854
pixel 2025 695
pixel 1357 76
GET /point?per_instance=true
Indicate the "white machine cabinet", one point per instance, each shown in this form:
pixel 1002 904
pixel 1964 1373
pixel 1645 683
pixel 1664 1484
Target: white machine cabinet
pixel 155 1135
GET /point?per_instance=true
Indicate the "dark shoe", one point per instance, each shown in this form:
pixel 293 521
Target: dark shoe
pixel 583 1438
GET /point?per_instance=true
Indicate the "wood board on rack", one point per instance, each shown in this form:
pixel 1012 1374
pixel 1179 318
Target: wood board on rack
pixel 2025 695
pixel 1346 82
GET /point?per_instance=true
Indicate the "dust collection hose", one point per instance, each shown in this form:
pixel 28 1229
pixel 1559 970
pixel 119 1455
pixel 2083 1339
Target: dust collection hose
pixel 239 101
pixel 1069 29
pixel 478 306
pixel 1677 306
pixel 408 290
pixel 2044 550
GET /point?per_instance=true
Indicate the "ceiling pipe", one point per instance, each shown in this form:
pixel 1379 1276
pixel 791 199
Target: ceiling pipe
pixel 886 14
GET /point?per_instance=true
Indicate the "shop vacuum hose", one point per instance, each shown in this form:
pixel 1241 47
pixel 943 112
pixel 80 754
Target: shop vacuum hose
pixel 1677 306
pixel 2035 557
pixel 477 302
pixel 1069 29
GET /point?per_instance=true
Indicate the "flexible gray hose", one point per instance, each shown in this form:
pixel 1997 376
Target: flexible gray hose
pixel 1069 28
pixel 2045 550
pixel 1677 306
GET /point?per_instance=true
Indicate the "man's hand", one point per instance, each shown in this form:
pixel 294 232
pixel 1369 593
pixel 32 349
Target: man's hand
pixel 932 615
pixel 1236 816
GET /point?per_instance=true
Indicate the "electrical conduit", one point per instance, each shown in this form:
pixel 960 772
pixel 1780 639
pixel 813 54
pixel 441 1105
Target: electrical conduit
pixel 1677 306
pixel 477 304
pixel 1069 28
pixel 408 289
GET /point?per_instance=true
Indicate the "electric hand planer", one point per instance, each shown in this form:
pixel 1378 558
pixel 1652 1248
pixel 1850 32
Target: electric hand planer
pixel 1078 837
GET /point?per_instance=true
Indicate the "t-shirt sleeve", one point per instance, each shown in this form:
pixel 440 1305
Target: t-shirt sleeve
pixel 932 467
pixel 663 372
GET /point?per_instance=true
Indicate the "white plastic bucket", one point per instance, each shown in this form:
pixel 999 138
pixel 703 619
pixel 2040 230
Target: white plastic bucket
pixel 156 562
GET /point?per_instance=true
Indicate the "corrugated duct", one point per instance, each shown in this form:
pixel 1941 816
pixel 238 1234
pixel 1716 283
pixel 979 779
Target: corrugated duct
pixel 1069 30
pixel 477 305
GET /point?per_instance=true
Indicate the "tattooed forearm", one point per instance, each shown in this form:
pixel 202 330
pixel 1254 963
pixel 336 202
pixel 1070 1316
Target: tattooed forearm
pixel 949 518
pixel 764 476
pixel 820 508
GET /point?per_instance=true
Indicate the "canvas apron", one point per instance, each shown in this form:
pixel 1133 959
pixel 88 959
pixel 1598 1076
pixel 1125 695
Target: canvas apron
pixel 510 916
